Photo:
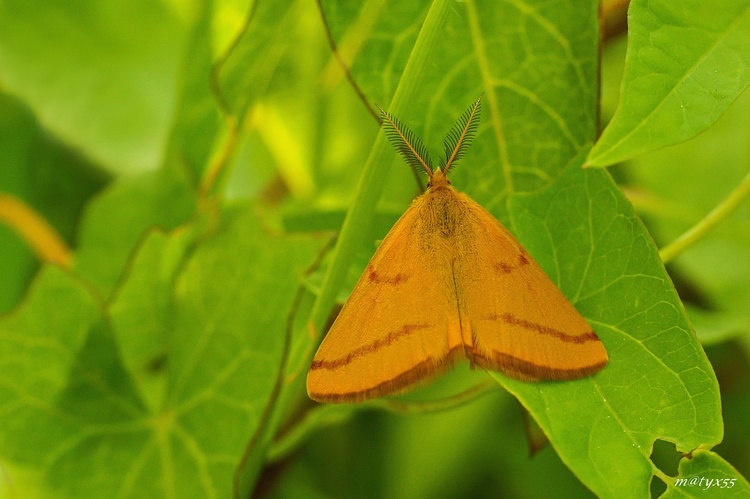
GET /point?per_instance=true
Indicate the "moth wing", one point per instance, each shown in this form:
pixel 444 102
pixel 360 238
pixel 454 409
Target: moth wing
pixel 399 326
pixel 521 323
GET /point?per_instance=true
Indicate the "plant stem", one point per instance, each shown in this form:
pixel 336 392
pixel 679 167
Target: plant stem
pixel 716 216
pixel 30 226
pixel 444 404
pixel 327 414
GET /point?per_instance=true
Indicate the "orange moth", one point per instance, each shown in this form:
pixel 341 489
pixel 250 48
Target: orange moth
pixel 449 282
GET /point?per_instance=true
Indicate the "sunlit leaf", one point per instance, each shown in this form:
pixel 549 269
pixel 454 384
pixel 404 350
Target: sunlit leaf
pixel 687 62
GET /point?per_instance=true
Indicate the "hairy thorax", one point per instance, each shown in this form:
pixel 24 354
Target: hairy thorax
pixel 444 226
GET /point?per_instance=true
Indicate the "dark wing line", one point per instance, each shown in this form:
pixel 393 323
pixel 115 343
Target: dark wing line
pixel 421 373
pixel 512 320
pixel 524 370
pixel 372 347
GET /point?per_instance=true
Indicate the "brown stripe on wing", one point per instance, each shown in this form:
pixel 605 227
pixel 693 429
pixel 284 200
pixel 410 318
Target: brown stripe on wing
pixel 524 370
pixel 420 373
pixel 369 348
pixel 541 329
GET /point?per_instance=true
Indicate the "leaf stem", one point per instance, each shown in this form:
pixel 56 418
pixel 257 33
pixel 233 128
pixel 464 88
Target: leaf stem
pixel 219 163
pixel 469 395
pixel 716 216
pixel 342 60
pixel 327 414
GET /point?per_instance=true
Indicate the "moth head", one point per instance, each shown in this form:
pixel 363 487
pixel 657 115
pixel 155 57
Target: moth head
pixel 438 180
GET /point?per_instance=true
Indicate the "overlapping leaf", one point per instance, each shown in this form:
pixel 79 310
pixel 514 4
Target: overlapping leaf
pixel 705 472
pixel 658 384
pixel 686 63
pixel 72 386
pixel 110 95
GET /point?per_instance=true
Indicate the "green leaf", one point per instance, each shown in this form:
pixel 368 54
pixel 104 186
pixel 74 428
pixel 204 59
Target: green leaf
pixel 263 82
pixel 245 72
pixel 680 185
pixel 63 393
pixel 686 63
pixel 142 310
pixel 705 472
pixel 196 117
pixel 119 216
pixel 658 383
pixel 367 33
pixel 72 412
pixel 232 308
pixel 100 75
pixel 50 178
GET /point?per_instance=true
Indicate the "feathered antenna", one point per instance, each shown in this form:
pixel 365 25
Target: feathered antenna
pixel 406 143
pixel 460 137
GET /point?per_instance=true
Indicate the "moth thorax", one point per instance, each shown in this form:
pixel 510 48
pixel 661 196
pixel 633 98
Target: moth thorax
pixel 442 212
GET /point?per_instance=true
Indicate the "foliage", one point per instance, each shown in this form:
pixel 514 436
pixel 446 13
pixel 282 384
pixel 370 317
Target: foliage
pixel 194 159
